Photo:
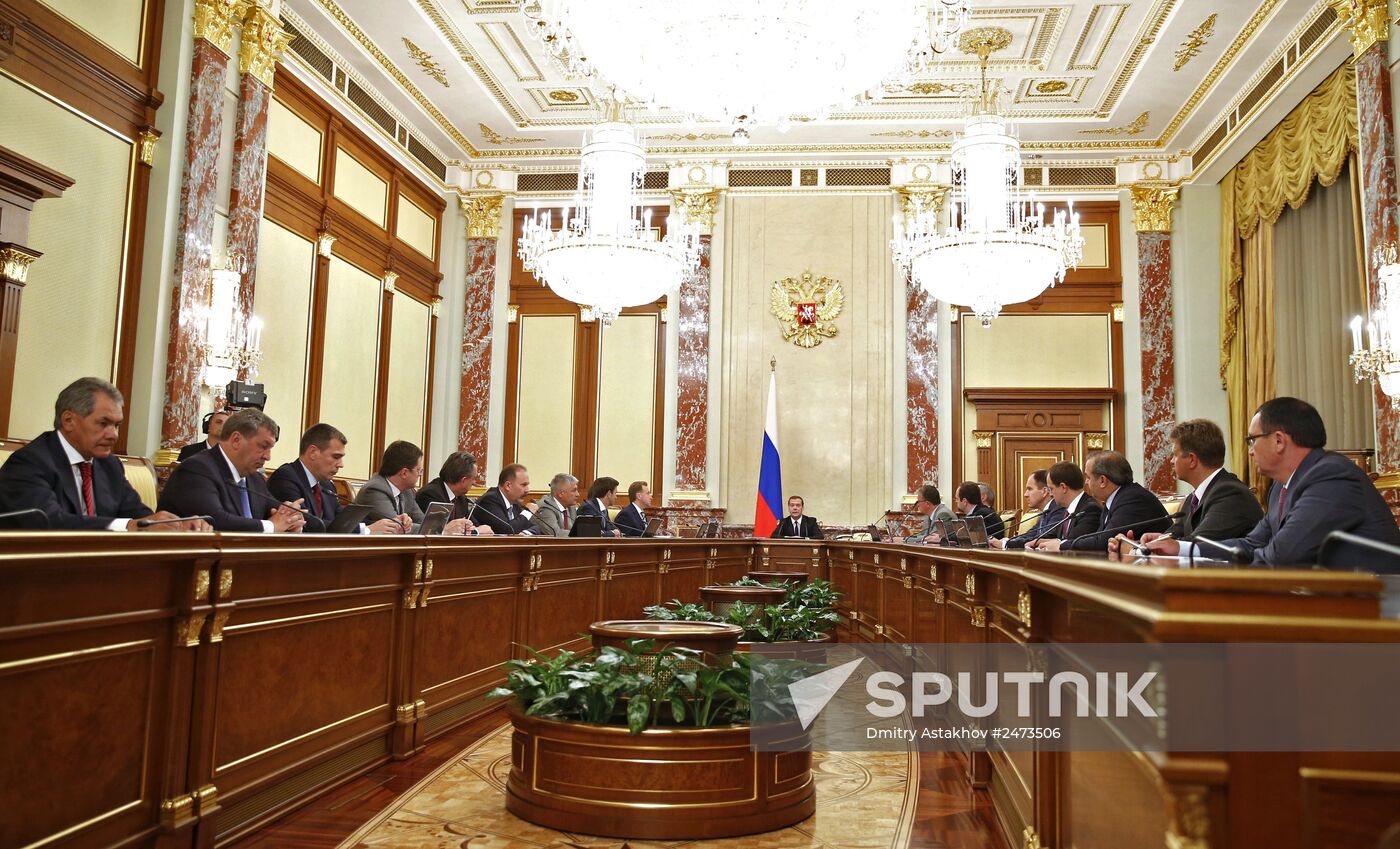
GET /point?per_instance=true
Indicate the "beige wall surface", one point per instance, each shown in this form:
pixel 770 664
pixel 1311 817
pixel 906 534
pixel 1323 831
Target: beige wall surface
pixel 627 400
pixel 407 416
pixel 351 363
pixel 115 23
pixel 545 406
pixel 1037 350
pixel 68 318
pixel 835 430
pixel 282 299
pixel 294 140
pixel 416 227
pixel 360 187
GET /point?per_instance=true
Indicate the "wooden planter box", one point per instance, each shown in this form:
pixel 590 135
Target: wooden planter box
pixel 798 578
pixel 718 599
pixel 662 784
pixel 812 651
pixel 715 639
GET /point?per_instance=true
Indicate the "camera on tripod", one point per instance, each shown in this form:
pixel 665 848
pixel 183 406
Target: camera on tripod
pixel 241 394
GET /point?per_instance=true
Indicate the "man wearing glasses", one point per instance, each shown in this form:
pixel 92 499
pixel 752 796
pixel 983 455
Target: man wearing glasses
pixel 1314 492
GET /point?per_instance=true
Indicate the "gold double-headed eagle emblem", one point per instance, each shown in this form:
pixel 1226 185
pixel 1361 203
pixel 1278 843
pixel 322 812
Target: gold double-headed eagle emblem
pixel 807 307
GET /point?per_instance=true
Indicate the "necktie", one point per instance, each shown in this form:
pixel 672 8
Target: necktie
pixel 1192 505
pixel 243 499
pixel 1282 495
pixel 85 469
pixel 398 504
pixel 565 511
pixel 794 527
pixel 1064 529
pixel 316 499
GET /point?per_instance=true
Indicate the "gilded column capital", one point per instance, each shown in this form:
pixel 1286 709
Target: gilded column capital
pixel 1152 207
pixel 697 206
pixel 15 261
pixel 917 201
pixel 1367 20
pixel 146 140
pixel 213 22
pixel 263 43
pixel 483 211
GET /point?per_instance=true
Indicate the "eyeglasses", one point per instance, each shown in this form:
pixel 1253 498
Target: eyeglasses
pixel 1249 438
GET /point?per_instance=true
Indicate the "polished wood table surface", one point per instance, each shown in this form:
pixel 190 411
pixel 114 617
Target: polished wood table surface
pixel 185 690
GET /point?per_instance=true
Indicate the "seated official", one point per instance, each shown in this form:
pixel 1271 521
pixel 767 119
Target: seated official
pixel 70 474
pixel 602 494
pixel 795 525
pixel 1220 505
pixel 501 507
pixel 1314 493
pixel 457 475
pixel 1082 513
pixel 224 482
pixel 213 426
pixel 989 495
pixel 558 511
pixel 1127 505
pixel 929 504
pixel 630 520
pixel 970 503
pixel 390 493
pixel 308 479
pixel 1038 497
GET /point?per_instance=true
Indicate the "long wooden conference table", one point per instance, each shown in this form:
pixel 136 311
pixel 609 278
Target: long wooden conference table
pixel 184 690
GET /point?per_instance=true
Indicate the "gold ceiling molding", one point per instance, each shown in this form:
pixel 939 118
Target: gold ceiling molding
pixel 940 88
pixel 829 149
pixel 426 63
pixel 564 96
pixel 1135 128
pixel 1368 21
pixel 1147 37
pixel 915 134
pixel 449 32
pixel 1152 207
pixel 352 29
pixel 262 44
pixel 1195 40
pixel 1051 86
pixel 688 136
pixel 496 138
pixel 213 22
pixel 1075 63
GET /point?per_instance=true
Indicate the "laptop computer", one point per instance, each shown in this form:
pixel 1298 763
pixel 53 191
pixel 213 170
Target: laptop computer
pixel 954 533
pixel 874 533
pixel 587 526
pixel 435 518
pixel 349 517
pixel 976 531
pixel 653 525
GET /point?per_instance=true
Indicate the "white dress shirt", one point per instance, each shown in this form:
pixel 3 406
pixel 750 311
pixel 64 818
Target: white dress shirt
pixel 237 479
pixel 74 460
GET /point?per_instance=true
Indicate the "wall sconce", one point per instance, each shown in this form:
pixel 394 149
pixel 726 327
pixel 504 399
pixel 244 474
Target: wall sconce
pixel 1379 358
pixel 232 348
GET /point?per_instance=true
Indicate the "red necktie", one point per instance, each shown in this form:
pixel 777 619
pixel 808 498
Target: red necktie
pixel 565 511
pixel 1282 494
pixel 85 469
pixel 316 497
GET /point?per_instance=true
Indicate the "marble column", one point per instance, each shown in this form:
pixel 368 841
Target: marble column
pixel 213 36
pixel 483 214
pixel 921 357
pixel 1369 24
pixel 1152 214
pixel 263 41
pixel 691 485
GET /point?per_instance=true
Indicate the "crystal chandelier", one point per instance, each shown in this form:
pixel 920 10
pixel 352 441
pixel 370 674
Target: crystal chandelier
pixel 997 248
pixel 746 61
pixel 1379 359
pixel 605 254
pixel 232 349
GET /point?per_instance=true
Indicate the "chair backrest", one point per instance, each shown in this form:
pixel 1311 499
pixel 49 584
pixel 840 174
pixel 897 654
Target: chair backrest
pixel 1349 552
pixel 344 491
pixel 10 446
pixel 141 474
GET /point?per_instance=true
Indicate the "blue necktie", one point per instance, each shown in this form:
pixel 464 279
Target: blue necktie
pixel 243 498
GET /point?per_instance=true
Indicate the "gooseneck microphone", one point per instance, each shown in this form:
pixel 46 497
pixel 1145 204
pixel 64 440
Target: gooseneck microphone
pixel 1237 554
pixel 1129 527
pixel 28 511
pixel 477 505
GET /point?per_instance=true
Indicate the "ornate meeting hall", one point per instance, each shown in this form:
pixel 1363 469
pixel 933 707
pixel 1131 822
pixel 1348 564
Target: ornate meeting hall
pixel 819 424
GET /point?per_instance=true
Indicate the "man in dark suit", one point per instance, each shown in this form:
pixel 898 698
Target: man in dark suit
pixel 631 521
pixel 1220 505
pixel 1082 513
pixel 70 474
pixel 795 525
pixel 308 478
pixel 970 504
pixel 501 508
pixel 457 475
pixel 1314 493
pixel 602 494
pixel 225 482
pixel 213 427
pixel 1109 479
pixel 1038 497
pixel 391 495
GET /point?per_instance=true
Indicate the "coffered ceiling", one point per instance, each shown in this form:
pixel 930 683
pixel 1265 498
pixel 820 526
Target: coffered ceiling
pixel 1089 80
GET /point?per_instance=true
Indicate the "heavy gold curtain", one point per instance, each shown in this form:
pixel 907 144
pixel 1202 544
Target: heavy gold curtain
pixel 1313 143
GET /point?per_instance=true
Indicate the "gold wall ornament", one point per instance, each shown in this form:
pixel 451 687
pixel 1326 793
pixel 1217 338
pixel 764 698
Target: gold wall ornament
pixel 564 96
pixel 201 584
pixel 512 313
pixel 1195 40
pixel 692 137
pixel 940 88
pixel 216 630
pixel 427 64
pixel 15 262
pixel 225 582
pixel 983 438
pixel 493 137
pixel 263 43
pixel 979 616
pixel 1096 441
pixel 1023 607
pixel 1051 87
pixel 146 142
pixel 325 241
pixel 187 630
pixel 697 206
pixel 483 211
pixel 213 22
pixel 1152 207
pixel 1135 128
pixel 920 201
pixel 807 307
pixel 391 279
pixel 176 810
pixel 970 584
pixel 204 800
pixel 915 134
pixel 1190 820
pixel 1368 21
pixel 1030 839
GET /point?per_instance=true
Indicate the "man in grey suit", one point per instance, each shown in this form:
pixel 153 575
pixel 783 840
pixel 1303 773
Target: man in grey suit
pixel 1314 493
pixel 930 505
pixel 390 494
pixel 559 509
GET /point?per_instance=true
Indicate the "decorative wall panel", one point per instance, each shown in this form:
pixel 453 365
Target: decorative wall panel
pixel 351 364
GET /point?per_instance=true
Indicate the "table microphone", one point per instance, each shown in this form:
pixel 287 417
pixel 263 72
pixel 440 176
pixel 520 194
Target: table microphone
pixel 146 523
pixel 28 511
pixel 476 504
pixel 1237 554
pixel 1129 527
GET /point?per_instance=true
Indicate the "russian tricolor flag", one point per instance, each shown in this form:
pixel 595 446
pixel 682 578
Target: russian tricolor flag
pixel 770 473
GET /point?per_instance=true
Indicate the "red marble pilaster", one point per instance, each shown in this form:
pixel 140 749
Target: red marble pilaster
pixel 477 324
pixel 693 379
pixel 204 125
pixel 1378 197
pixel 921 386
pixel 246 191
pixel 1158 360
